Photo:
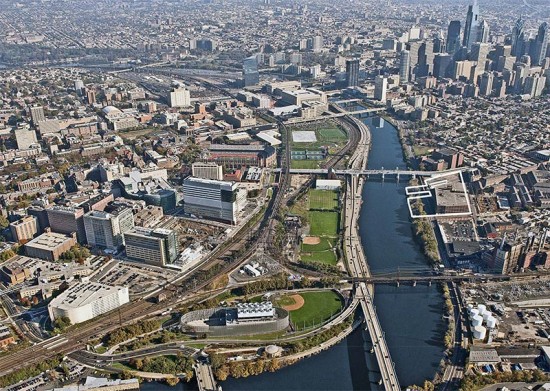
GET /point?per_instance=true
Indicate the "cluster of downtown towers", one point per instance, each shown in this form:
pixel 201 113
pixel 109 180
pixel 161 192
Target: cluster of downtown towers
pixel 438 57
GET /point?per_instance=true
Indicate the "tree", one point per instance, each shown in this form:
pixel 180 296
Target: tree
pixel 4 223
pixel 61 323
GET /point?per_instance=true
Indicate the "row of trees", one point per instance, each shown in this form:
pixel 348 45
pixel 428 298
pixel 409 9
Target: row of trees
pixel 424 233
pixel 320 267
pixel 127 332
pixel 30 371
pixel 475 382
pixel 277 282
pixel 222 369
pixel 448 340
pixel 318 339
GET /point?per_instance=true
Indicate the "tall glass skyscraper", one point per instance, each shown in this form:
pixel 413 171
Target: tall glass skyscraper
pixel 540 45
pixel 471 32
pixel 518 38
pixel 251 76
pixel 404 66
pixel 453 36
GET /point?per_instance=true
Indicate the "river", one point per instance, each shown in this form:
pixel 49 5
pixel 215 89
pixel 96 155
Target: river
pixel 410 316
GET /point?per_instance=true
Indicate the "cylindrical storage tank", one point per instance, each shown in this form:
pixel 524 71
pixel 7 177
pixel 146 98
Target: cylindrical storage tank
pixel 487 315
pixel 470 307
pixel 474 313
pixel 479 332
pixel 477 321
pixel 481 308
pixel 491 322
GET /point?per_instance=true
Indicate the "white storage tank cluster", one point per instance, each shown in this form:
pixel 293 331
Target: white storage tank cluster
pixel 478 316
pixel 480 332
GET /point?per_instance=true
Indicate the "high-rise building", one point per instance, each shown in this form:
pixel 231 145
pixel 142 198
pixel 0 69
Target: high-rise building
pixel 471 29
pixel 442 65
pixel 179 97
pixel 79 86
pixel 352 73
pixel 518 38
pixel 479 54
pixel 106 229
pixel 404 66
pixel 251 76
pixel 486 84
pixel 483 32
pixel 380 88
pixel 25 138
pixel 316 43
pixel 154 246
pixel 453 36
pixel 37 114
pixel 217 200
pixel 540 44
pixel 425 59
pixel 207 171
pixel 66 220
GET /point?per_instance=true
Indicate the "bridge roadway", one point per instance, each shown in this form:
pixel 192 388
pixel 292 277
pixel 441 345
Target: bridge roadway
pixel 374 279
pixel 363 172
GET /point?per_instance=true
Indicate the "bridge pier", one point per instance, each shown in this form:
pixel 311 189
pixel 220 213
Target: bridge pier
pixel 414 283
pixel 430 283
pixel 398 284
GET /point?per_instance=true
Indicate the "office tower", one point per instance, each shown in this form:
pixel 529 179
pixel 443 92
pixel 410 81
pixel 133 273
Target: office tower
pixel 414 33
pixel 207 171
pixel 296 58
pixel 534 85
pixel 217 200
pixel 425 59
pixel 79 86
pixel 438 45
pixel 90 97
pixel 25 138
pixel 453 36
pixel 486 84
pixel 479 54
pixel 483 32
pixel 317 43
pixel 540 46
pixel 471 29
pixel 414 49
pixel 521 72
pixel 442 65
pixel 518 38
pixel 106 228
pixel 500 88
pixel 37 114
pixel 251 76
pixel 303 44
pixel 154 246
pixel 192 44
pixel 404 66
pixel 352 73
pixel 179 97
pixel 380 87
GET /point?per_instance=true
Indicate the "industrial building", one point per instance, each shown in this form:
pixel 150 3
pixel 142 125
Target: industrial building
pixel 50 245
pixel 106 229
pixel 244 319
pixel 86 300
pixel 153 246
pixel 217 200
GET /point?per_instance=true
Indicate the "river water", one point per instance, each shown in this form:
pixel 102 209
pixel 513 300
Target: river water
pixel 410 316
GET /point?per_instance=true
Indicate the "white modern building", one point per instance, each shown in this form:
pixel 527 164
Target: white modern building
pixel 179 97
pixel 380 88
pixel 212 199
pixel 207 170
pixel 106 229
pixel 86 300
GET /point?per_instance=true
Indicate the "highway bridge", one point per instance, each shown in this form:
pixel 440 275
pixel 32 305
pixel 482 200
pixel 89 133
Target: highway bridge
pixel 356 172
pixel 374 279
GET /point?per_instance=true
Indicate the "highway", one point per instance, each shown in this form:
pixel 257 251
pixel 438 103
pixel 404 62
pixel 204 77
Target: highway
pixel 358 265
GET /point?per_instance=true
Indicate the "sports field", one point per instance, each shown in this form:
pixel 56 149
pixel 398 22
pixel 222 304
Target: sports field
pixel 305 164
pixel 322 199
pixel 323 223
pixel 317 308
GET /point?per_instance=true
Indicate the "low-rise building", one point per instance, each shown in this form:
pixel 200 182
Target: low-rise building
pixel 24 229
pixel 50 245
pixel 86 300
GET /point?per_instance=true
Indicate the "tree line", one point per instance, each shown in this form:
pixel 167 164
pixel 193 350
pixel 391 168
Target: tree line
pixel 127 332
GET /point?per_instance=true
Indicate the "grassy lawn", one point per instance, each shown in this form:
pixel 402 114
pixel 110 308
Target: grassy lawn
pixel 317 308
pixel 323 223
pixel 420 150
pixel 327 257
pixel 305 164
pixel 323 199
pixel 333 134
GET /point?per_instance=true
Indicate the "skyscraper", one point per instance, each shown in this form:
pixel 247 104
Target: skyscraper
pixel 483 32
pixel 442 65
pixel 453 36
pixel 486 84
pixel 380 87
pixel 251 76
pixel 352 73
pixel 179 97
pixel 518 38
pixel 37 114
pixel 540 46
pixel 404 65
pixel 471 30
